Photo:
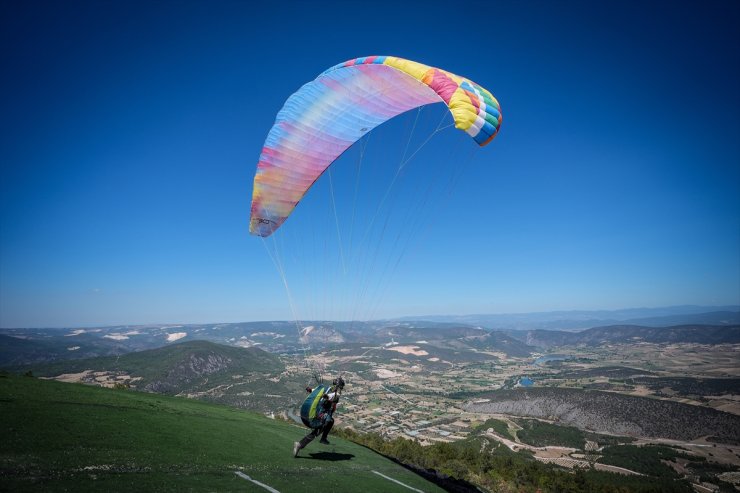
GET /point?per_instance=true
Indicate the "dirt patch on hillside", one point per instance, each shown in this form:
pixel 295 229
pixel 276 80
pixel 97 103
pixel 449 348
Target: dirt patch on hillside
pixel 415 350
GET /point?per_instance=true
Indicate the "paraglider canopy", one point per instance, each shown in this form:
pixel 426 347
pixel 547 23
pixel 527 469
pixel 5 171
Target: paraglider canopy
pixel 327 115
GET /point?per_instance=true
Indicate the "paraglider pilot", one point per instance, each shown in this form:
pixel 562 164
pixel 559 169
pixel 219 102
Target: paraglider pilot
pixel 327 406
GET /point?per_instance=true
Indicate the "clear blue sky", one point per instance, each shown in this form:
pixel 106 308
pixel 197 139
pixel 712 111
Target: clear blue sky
pixel 131 131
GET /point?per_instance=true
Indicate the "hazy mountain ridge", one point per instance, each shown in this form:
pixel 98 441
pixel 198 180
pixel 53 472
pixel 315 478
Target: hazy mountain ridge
pixel 620 334
pixel 585 319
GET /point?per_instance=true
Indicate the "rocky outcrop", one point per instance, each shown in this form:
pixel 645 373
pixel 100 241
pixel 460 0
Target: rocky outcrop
pixel 320 334
pixel 193 367
pixel 199 365
pixel 609 412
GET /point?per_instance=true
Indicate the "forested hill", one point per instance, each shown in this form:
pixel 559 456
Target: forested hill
pixel 179 361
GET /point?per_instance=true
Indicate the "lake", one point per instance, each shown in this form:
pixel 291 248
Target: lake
pixel 526 382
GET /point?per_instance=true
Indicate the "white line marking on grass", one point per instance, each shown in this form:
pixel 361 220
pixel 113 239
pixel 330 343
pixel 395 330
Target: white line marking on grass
pixel 268 488
pixel 397 481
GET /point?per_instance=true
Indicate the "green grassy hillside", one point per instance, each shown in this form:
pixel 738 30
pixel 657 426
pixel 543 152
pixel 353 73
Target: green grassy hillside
pixel 73 437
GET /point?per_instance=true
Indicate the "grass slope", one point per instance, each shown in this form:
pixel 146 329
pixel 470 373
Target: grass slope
pixel 72 437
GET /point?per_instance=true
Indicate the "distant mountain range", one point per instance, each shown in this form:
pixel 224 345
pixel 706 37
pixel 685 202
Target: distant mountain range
pixel 447 341
pixel 586 319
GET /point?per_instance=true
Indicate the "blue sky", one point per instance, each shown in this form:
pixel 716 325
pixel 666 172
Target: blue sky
pixel 131 131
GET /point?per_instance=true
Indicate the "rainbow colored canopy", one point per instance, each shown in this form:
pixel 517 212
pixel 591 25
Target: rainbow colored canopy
pixel 326 116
